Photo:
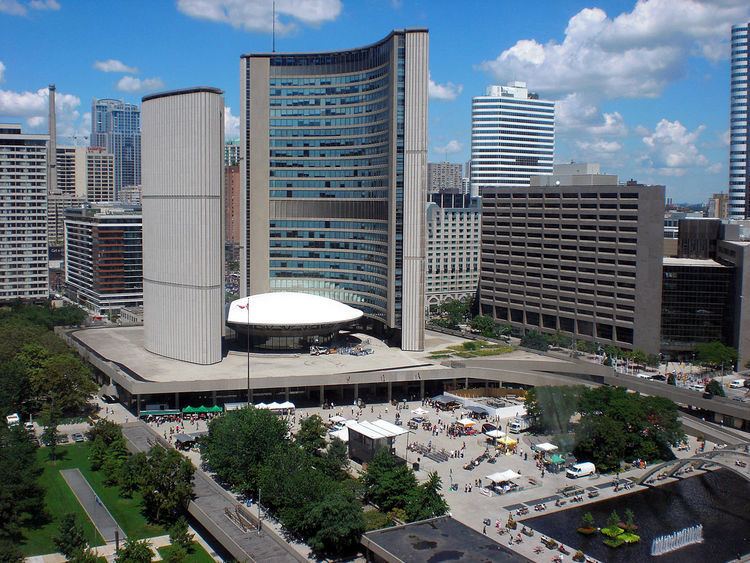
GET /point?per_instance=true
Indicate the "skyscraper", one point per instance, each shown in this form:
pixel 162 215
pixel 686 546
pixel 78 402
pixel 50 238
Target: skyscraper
pixel 23 214
pixel 116 127
pixel 338 207
pixel 183 224
pixel 512 137
pixel 739 124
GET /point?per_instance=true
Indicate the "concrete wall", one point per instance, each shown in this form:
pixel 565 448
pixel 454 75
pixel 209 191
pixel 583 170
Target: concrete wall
pixel 183 225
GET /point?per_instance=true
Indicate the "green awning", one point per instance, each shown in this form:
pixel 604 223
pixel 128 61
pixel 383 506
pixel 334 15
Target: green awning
pixel 160 413
pixel 215 408
pixel 190 410
pixel 202 409
pixel 557 459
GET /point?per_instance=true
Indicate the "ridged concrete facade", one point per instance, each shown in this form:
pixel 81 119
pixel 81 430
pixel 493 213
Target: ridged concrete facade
pixel 334 177
pixel 183 224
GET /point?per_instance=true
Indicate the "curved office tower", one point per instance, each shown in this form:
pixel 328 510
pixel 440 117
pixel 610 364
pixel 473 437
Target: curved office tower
pixel 334 177
pixel 183 245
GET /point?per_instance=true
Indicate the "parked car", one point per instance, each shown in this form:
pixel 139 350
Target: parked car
pixel 737 384
pixel 77 437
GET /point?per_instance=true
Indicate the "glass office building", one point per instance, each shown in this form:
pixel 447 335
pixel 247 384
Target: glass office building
pixel 333 170
pixel 739 123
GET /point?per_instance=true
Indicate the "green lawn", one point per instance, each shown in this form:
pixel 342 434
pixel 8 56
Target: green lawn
pixel 198 555
pixel 60 499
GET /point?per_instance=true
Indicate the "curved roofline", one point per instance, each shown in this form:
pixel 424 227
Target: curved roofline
pixel 180 91
pixel 362 48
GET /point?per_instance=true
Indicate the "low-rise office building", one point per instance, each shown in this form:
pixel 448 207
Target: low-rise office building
pixel 582 256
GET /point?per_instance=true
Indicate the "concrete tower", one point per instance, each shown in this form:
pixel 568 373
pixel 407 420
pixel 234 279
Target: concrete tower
pixel 183 224
pixel 52 146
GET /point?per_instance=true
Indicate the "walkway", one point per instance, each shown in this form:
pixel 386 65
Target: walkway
pixel 210 506
pixel 94 507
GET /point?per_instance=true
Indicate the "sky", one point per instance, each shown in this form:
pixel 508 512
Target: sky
pixel 642 87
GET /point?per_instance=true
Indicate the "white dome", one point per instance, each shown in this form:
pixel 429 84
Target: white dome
pixel 284 308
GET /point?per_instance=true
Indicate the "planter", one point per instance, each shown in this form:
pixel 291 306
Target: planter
pixel 613 542
pixel 586 531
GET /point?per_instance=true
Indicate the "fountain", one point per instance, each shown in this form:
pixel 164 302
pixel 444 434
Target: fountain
pixel 677 540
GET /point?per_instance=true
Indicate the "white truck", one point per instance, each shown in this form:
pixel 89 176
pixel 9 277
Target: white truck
pixel 519 424
pixel 580 470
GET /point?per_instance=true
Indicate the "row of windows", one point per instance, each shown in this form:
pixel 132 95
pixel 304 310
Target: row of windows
pixel 355 256
pixel 333 101
pixel 338 194
pixel 324 80
pixel 329 163
pixel 350 225
pixel 374 128
pixel 322 265
pixel 374 139
pixel 305 234
pixel 348 110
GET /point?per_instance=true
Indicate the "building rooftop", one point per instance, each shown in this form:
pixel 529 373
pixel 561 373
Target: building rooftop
pixel 437 539
pixel 705 263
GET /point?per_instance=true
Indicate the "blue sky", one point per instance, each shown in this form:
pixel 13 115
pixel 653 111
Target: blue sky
pixel 643 87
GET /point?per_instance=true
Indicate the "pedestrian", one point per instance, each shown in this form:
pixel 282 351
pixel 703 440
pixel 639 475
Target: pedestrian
pixel 484 530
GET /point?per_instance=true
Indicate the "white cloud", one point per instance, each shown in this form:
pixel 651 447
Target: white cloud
pixel 451 147
pixel 672 150
pixel 447 91
pixel 257 15
pixel 714 168
pixel 599 147
pixel 723 137
pixel 634 55
pixel 33 107
pixel 113 65
pixel 44 5
pixel 2 71
pixel 573 113
pixel 12 8
pixel 231 124
pixel 133 84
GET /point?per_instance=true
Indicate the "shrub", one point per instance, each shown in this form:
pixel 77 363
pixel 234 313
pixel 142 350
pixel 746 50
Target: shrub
pixel 613 542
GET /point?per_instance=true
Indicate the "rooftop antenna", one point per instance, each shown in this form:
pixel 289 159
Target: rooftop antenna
pixel 273 28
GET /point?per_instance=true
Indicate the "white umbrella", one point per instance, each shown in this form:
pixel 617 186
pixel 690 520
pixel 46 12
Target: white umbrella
pixel 337 418
pixel 419 411
pixel 495 433
pixel 261 406
pixel 467 422
pixel 545 447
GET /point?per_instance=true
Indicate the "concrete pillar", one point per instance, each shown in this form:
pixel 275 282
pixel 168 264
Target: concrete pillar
pixel 466 382
pixel 356 391
pixel 286 393
pixel 390 391
pixel 322 394
pixel 251 395
pixel 177 400
pixel 213 397
pixel 421 388
pixel 138 405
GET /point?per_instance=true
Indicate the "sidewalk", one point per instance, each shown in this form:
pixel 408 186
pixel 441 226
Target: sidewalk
pixel 97 512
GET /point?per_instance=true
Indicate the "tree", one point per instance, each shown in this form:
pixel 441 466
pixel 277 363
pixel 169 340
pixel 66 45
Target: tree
pixel 10 552
pixel 167 485
pixel 552 406
pixel 613 519
pixel 84 555
pixel 134 551
pixel 388 482
pixel 114 460
pixel 337 522
pixel 426 500
pixel 561 340
pixel 15 388
pixel 715 355
pixel 176 554
pixel 587 520
pixel 50 436
pixel 179 534
pixel 67 382
pixel 671 379
pixel 311 434
pixel 21 497
pixel 97 453
pixel 131 474
pixel 715 388
pixel 454 312
pixel 335 462
pixel 105 429
pixel 484 325
pixel 70 538
pixel 238 443
pixel 535 340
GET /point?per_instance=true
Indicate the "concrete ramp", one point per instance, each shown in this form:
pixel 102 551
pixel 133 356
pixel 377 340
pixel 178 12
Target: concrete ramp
pixel 91 503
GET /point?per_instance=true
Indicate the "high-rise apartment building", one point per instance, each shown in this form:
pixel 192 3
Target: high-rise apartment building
pixel 584 259
pixel 104 257
pixel 336 178
pixel 86 173
pixel 512 137
pixel 232 207
pixel 183 224
pixel 232 152
pixel 739 124
pixel 718 206
pixel 23 214
pixel 454 238
pixel 444 176
pixel 57 203
pixel 116 127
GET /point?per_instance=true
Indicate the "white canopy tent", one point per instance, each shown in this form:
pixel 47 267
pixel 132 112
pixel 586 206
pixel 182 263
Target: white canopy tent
pixel 495 433
pixel 273 406
pixel 261 406
pixel 419 411
pixel 337 418
pixel 507 475
pixel 467 422
pixel 287 405
pixel 342 434
pixel 545 447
